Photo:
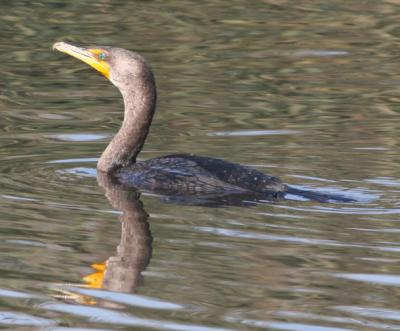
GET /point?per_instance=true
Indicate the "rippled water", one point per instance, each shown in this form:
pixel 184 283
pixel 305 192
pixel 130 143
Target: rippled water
pixel 305 90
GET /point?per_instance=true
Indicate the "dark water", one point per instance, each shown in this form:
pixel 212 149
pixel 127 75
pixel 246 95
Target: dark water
pixel 305 90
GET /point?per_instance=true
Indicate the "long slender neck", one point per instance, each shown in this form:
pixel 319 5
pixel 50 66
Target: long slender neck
pixel 140 101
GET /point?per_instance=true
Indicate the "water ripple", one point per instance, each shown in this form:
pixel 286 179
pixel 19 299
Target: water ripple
pixel 80 136
pixel 339 319
pixel 11 318
pixel 290 326
pixel 73 329
pixel 252 133
pixel 382 279
pixel 262 236
pixel 4 293
pixel 125 298
pixel 380 313
pixel 102 315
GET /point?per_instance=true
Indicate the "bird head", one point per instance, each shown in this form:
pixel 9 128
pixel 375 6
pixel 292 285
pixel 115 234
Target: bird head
pixel 120 66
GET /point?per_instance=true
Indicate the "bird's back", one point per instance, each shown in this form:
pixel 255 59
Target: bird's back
pixel 186 174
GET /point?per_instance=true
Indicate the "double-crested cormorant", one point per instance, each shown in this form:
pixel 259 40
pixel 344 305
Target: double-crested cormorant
pixel 181 174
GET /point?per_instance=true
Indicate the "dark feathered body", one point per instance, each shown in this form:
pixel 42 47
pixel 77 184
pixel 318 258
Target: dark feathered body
pixel 187 174
pixel 205 177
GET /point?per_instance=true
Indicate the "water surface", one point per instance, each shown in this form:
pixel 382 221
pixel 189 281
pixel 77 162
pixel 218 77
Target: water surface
pixel 308 91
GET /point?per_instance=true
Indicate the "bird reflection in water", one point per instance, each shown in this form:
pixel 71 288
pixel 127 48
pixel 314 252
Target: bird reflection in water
pixel 122 271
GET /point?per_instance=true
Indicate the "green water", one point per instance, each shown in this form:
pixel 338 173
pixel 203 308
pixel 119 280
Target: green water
pixel 305 90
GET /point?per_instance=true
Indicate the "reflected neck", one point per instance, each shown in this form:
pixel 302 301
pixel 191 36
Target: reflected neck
pixel 140 102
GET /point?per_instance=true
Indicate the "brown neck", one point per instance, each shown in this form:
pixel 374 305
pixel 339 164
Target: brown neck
pixel 140 102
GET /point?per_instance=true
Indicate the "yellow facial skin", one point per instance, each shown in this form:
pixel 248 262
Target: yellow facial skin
pixel 95 279
pixel 91 56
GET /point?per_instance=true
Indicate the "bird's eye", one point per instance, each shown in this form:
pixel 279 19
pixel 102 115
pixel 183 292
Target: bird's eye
pixel 102 56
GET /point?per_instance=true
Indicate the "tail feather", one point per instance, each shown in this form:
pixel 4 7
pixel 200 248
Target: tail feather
pixel 318 196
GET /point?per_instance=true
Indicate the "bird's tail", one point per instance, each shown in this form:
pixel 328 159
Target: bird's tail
pixel 318 196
